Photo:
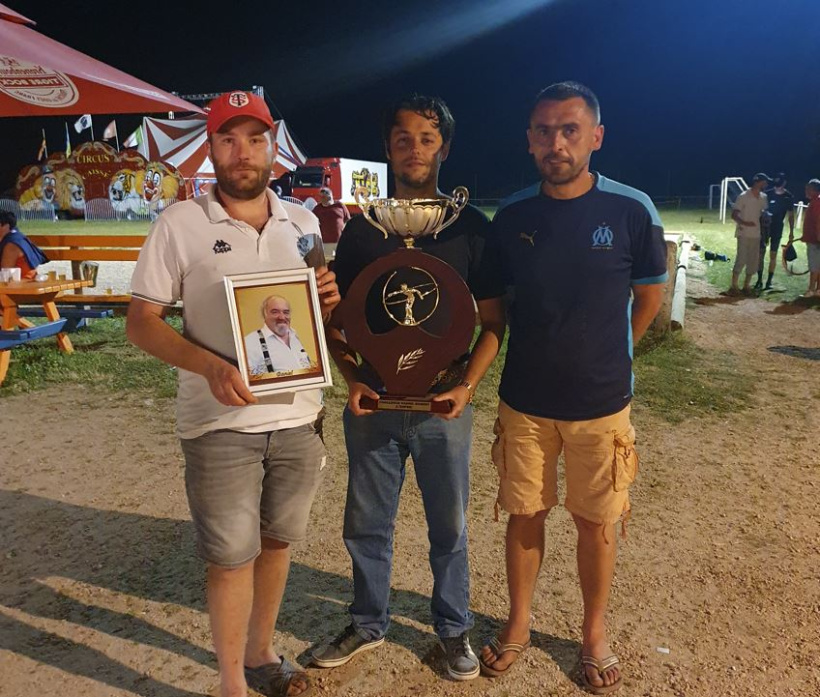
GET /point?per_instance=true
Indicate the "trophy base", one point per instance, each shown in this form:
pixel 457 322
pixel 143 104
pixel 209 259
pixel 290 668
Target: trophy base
pixel 399 403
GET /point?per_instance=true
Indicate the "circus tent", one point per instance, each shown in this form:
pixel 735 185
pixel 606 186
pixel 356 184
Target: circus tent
pixel 182 143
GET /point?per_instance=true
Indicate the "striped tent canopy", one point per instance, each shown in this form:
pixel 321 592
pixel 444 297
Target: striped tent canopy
pixel 183 143
pixel 42 77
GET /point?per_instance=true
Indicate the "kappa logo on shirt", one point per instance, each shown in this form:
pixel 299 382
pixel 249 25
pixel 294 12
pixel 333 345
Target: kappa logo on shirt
pixel 602 237
pixel 221 247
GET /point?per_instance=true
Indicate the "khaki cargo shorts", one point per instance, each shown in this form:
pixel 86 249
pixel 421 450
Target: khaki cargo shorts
pixel 599 456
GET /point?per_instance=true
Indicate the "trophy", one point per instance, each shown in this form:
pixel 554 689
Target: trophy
pixel 409 314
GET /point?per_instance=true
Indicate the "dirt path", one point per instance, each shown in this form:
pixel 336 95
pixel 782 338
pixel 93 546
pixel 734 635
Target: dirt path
pixel 101 594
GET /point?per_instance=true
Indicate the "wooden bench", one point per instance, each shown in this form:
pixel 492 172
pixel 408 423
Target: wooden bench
pixel 14 337
pixel 78 248
pixel 77 317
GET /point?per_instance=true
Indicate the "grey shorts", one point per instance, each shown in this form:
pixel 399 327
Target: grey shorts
pixel 242 486
pixel 748 254
pixel 813 254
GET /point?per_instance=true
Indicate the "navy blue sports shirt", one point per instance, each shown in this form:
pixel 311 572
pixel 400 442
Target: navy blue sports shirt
pixel 571 265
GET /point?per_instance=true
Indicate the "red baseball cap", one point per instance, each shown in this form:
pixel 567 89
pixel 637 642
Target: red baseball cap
pixel 232 104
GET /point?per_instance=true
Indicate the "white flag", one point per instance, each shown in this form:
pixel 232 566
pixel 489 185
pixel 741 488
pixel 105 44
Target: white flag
pixel 110 130
pixel 82 123
pixel 135 139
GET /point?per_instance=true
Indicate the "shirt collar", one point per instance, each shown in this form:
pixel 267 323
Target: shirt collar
pixel 217 213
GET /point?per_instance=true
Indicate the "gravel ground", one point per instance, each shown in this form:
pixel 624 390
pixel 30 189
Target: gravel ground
pixel 716 591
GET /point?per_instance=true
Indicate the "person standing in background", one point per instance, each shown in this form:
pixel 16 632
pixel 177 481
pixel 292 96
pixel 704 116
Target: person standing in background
pixel 747 212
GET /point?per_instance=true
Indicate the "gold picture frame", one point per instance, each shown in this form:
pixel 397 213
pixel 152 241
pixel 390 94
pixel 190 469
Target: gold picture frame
pixel 278 332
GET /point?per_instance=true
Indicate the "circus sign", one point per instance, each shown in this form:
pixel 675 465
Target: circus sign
pixel 36 84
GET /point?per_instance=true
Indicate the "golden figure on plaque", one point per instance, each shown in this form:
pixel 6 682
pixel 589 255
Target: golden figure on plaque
pixel 407 295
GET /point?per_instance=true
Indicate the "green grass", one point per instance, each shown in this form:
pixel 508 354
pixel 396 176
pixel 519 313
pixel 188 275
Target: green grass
pixel 102 358
pixel 677 380
pixel 80 227
pixel 704 227
pixel 674 379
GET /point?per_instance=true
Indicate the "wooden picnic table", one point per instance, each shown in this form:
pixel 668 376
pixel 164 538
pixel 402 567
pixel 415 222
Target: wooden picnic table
pixel 13 294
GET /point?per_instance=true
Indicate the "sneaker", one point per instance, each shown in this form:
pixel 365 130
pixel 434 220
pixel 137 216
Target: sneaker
pixel 343 648
pixel 768 286
pixel 758 285
pixel 462 663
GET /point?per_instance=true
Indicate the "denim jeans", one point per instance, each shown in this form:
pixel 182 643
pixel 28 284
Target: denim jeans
pixel 378 446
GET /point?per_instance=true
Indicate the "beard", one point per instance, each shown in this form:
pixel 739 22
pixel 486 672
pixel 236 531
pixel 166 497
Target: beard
pixel 416 181
pixel 280 329
pixel 417 177
pixel 242 187
pixel 565 173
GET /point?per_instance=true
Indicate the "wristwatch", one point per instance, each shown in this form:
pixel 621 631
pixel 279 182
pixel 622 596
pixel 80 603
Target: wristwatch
pixel 470 389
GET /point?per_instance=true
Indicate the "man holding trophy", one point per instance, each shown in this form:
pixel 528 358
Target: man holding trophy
pixel 412 296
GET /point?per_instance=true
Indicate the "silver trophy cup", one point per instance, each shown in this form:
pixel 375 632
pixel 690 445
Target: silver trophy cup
pixel 412 218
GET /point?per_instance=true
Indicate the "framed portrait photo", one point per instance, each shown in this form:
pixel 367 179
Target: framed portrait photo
pixel 278 332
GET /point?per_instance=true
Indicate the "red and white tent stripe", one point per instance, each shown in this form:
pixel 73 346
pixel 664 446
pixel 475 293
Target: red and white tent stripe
pixel 183 143
pixel 42 77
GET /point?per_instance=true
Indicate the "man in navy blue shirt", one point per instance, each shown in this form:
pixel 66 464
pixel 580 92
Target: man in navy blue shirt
pixel 780 206
pixel 585 259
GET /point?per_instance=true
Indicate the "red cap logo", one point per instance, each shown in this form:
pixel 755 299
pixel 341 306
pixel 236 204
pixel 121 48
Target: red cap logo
pixel 232 104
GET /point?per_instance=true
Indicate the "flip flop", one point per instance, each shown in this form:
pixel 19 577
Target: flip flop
pixel 601 666
pixel 274 679
pixel 498 650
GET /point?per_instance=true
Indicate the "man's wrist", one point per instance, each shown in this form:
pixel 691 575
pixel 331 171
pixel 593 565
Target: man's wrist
pixel 470 389
pixel 350 375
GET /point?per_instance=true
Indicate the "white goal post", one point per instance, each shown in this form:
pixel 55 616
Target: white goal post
pixel 740 182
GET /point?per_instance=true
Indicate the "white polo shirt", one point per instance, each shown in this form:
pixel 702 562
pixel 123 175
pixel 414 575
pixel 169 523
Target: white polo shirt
pixel 751 207
pixel 189 250
pixel 282 356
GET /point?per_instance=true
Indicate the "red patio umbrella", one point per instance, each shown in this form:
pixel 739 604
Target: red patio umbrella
pixel 42 77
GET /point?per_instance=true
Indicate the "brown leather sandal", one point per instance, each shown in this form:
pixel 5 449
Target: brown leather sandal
pixel 498 650
pixel 601 666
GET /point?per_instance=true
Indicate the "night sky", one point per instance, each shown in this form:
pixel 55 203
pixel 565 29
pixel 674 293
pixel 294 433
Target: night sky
pixel 690 91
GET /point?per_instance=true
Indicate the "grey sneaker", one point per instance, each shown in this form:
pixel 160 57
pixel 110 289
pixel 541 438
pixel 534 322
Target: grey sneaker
pixel 462 663
pixel 343 648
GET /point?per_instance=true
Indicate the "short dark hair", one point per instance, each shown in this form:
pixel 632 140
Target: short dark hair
pixel 562 91
pixel 814 184
pixel 8 218
pixel 432 108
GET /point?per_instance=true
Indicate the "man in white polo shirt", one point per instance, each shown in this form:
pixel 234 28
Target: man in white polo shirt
pixel 746 212
pixel 275 348
pixel 252 466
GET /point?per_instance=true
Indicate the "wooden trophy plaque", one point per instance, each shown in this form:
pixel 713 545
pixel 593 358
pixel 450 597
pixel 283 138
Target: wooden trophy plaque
pixel 409 314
